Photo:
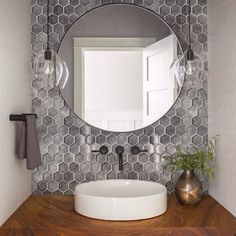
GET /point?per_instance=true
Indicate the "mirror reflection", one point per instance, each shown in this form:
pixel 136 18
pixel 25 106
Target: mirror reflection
pixel 118 58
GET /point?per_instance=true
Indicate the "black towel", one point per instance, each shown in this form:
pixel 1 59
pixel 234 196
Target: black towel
pixel 27 145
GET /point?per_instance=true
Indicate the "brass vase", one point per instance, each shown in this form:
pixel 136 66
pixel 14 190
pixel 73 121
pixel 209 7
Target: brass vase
pixel 188 188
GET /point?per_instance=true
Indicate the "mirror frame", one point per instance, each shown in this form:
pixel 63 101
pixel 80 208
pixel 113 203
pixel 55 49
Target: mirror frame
pixel 114 4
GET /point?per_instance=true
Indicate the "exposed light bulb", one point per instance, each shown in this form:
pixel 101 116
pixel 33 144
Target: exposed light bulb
pixel 48 67
pixel 190 62
pixel 190 67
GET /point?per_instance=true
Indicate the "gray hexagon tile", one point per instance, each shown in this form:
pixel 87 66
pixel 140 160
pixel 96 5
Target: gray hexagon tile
pixel 66 141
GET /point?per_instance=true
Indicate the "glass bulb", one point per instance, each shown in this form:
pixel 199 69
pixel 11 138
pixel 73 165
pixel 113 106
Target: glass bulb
pixel 49 71
pixel 59 71
pixel 180 75
pixel 193 66
pixel 48 67
pixel 177 71
pixel 190 67
pixel 64 76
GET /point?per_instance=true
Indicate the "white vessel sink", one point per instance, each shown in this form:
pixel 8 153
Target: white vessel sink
pixel 120 199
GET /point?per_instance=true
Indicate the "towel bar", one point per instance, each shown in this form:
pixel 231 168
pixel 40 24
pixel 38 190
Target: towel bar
pixel 19 117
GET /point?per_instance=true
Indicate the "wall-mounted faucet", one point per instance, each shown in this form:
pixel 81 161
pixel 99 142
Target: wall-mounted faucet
pixel 135 150
pixel 103 150
pixel 120 150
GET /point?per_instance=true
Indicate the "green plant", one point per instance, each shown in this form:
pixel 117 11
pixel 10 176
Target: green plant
pixel 195 159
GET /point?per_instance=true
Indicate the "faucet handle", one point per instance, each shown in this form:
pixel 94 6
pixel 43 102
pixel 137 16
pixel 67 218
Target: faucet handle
pixel 119 150
pixel 102 150
pixel 135 150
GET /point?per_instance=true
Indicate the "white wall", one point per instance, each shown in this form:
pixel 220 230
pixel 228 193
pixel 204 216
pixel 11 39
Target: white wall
pixel 15 76
pixel 222 98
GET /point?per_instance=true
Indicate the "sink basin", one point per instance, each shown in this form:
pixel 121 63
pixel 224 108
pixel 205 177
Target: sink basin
pixel 120 200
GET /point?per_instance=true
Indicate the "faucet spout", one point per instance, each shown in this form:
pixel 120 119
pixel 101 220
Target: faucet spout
pixel 119 150
pixel 121 162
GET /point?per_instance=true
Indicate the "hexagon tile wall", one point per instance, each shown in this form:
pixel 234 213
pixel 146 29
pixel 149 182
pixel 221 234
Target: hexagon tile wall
pixel 66 141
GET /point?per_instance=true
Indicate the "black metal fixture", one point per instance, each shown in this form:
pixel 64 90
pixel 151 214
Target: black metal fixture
pixel 135 150
pixel 119 150
pixel 103 150
pixel 19 117
pixel 48 52
pixel 190 55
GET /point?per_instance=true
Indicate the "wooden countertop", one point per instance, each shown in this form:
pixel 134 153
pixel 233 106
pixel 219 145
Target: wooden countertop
pixel 54 215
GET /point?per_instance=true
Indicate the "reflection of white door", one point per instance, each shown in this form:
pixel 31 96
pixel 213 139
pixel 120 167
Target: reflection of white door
pixel 99 71
pixel 159 90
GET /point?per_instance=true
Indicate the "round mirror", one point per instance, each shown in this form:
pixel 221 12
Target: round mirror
pixel 118 58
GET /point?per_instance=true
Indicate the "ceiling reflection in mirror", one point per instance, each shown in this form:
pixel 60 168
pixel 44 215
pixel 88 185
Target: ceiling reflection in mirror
pixel 118 59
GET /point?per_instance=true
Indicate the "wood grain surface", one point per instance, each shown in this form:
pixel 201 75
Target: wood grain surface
pixel 54 215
